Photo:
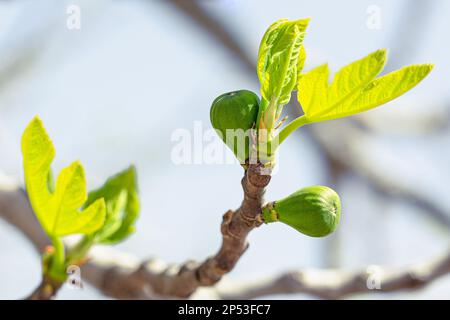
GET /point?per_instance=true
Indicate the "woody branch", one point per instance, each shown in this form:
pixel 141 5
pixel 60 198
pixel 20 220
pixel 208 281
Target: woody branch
pixel 123 276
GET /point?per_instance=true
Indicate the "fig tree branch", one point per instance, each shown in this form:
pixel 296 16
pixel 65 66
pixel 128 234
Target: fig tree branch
pixel 235 227
pixel 46 290
pixel 184 280
pixel 123 276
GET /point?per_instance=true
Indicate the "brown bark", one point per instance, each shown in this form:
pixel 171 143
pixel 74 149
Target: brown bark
pixel 182 282
pixel 46 290
pixel 118 274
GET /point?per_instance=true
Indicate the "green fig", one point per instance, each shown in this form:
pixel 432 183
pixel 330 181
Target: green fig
pixel 233 114
pixel 314 211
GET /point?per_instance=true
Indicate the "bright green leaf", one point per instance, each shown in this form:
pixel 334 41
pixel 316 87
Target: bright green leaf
pixel 354 89
pixel 355 76
pixel 313 90
pixel 266 45
pixel 57 210
pixel 301 62
pixel 385 89
pixel 122 206
pixel 278 59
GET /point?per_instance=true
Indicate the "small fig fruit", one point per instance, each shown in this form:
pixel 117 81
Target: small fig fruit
pixel 314 211
pixel 233 114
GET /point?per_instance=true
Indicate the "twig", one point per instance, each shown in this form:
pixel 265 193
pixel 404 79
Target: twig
pixel 180 282
pixel 123 276
pixel 184 280
pixel 46 290
pixel 337 284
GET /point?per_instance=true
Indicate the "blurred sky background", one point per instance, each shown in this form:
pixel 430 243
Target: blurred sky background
pixel 112 93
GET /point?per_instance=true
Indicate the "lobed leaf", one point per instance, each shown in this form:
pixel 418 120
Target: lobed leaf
pixel 355 76
pixel 122 206
pixel 386 88
pixel 354 88
pixel 57 207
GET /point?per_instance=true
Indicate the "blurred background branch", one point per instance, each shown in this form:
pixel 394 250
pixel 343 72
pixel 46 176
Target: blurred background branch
pixel 338 284
pixel 122 276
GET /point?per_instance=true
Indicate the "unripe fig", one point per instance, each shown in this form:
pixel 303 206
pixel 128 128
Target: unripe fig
pixel 233 114
pixel 314 211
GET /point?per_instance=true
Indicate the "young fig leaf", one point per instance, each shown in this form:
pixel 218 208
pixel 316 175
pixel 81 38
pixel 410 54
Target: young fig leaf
pixel 57 210
pixel 314 211
pixel 280 55
pixel 354 88
pixel 386 88
pixel 355 76
pixel 122 206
